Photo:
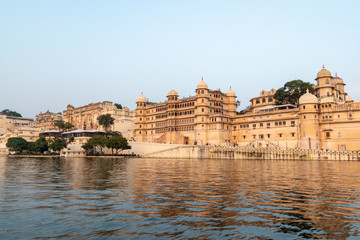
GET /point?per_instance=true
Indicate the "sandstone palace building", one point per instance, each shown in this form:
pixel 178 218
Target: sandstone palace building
pixel 328 119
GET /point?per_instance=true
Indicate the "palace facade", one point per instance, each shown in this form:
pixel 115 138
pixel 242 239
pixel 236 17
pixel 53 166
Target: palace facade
pixel 85 117
pixel 11 126
pixel 47 120
pixel 203 118
pixel 328 119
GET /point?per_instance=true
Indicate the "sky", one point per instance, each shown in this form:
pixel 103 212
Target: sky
pixel 55 53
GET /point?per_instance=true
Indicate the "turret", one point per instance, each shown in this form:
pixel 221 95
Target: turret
pixel 324 87
pixel 231 102
pixel 309 121
pixel 140 118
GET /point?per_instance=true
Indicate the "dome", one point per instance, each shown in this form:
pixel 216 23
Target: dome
pixel 173 93
pixel 202 84
pixel 337 80
pixel 324 73
pixel 142 98
pixel 308 98
pixel 230 93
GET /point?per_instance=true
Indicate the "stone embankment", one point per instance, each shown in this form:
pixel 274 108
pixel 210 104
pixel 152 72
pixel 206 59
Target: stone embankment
pixel 209 152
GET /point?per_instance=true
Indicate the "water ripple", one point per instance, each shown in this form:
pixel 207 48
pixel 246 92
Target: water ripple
pixel 178 199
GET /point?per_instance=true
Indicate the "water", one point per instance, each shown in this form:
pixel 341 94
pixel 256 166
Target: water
pixel 178 199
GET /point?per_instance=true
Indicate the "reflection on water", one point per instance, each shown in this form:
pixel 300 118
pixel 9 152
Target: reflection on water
pixel 178 199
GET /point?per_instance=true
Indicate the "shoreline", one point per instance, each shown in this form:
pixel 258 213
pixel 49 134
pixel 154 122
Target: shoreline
pixel 58 156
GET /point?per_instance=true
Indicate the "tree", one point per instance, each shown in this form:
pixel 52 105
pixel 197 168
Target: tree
pixel 68 126
pixel 61 125
pixel 8 112
pixel 117 142
pixel 292 91
pixel 106 120
pixel 17 144
pixel 238 103
pixel 118 106
pixel 88 147
pixel 98 141
pixel 57 144
pixel 41 145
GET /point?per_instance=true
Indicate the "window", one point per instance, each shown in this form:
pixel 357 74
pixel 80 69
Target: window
pixel 268 135
pixel 327 134
pixel 202 110
pixel 254 136
pixel 254 125
pixel 244 137
pixel 304 116
pixel 293 134
pixel 280 135
pixel 261 124
pixel 276 123
pixel 257 101
pixel 268 124
pixel 263 100
pixel 270 99
pixel 292 123
pixel 314 106
pixel 303 107
pixel 261 136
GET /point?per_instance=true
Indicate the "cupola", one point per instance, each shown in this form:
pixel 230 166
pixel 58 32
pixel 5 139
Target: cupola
pixel 202 84
pixel 308 98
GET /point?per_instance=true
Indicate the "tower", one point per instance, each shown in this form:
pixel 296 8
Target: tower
pixel 309 121
pixel 231 102
pixel 202 112
pixel 140 129
pixel 324 86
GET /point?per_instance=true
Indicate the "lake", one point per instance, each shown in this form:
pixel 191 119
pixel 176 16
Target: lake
pixel 138 198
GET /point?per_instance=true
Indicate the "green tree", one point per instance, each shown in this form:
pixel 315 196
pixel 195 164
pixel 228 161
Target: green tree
pixel 68 126
pixel 98 141
pixel 17 144
pixel 10 113
pixel 117 142
pixel 61 125
pixel 292 91
pixel 106 120
pixel 57 144
pixel 118 106
pixel 41 145
pixel 88 147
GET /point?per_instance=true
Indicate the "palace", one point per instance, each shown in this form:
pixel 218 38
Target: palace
pixel 47 120
pixel 204 118
pixel 328 119
pixel 85 117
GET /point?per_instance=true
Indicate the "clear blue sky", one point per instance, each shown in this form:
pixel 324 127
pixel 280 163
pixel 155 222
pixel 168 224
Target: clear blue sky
pixel 55 53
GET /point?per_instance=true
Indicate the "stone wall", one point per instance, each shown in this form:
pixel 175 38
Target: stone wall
pixel 203 152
